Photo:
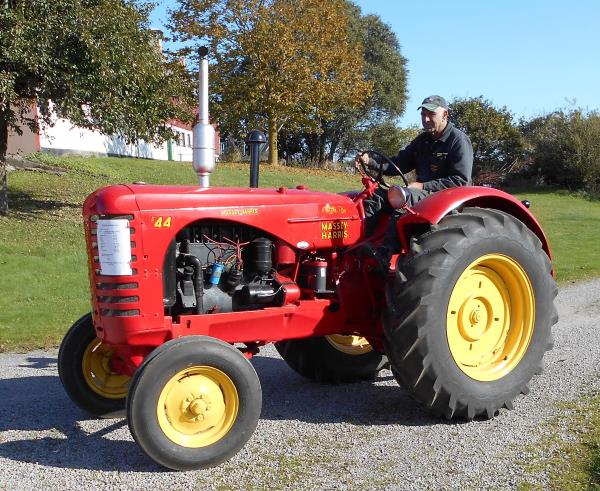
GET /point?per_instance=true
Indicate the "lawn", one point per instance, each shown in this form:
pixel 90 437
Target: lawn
pixel 43 275
pixel 571 225
pixel 43 272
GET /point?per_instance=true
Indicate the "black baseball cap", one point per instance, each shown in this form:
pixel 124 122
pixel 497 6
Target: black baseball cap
pixel 432 102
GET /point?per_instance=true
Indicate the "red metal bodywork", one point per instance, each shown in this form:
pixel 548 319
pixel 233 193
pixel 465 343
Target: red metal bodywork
pixel 436 207
pixel 128 311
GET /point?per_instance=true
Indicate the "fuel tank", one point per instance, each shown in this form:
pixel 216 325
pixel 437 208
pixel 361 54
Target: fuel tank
pixel 305 219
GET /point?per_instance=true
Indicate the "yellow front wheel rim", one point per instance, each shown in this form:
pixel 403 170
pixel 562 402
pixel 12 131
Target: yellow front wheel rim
pixel 98 374
pixel 198 406
pixel 491 317
pixel 349 344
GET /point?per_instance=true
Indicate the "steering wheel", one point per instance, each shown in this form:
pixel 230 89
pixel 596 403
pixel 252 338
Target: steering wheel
pixel 377 173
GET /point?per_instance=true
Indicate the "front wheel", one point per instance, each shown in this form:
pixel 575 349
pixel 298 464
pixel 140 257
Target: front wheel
pixel 193 403
pixel 470 313
pixel 84 369
pixel 332 359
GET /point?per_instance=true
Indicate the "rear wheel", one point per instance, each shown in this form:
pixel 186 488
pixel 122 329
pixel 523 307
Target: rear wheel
pixel 332 359
pixel 84 368
pixel 470 313
pixel 193 403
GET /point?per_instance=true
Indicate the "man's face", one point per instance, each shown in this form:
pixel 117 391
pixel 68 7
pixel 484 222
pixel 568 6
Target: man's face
pixel 434 122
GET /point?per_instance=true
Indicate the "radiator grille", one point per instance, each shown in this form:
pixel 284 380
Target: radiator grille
pixel 114 296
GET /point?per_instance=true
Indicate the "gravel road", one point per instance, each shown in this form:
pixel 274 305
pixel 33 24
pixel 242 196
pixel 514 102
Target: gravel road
pixel 359 436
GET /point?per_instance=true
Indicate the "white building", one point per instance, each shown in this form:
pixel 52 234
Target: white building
pixel 62 137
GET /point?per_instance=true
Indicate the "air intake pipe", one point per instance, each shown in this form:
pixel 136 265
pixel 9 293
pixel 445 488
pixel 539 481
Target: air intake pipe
pixel 203 158
pixel 255 141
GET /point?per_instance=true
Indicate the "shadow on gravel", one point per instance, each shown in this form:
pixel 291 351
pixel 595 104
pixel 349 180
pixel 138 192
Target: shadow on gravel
pixel 69 439
pixel 288 396
pixel 40 363
pixel 39 404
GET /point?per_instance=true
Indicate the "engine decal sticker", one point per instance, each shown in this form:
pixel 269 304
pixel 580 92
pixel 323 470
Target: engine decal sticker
pixel 239 211
pixel 333 210
pixel 334 230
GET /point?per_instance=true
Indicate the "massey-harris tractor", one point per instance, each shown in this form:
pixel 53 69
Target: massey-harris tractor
pixel 188 282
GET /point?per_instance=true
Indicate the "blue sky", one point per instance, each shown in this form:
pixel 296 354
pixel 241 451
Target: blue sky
pixel 532 56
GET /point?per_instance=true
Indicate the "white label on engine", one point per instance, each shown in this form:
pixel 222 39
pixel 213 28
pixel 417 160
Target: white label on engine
pixel 114 247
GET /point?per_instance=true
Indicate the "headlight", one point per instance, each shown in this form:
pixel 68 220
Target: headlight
pixel 397 197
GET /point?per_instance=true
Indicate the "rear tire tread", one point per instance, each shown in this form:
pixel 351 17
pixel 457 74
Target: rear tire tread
pixel 431 256
pixel 317 360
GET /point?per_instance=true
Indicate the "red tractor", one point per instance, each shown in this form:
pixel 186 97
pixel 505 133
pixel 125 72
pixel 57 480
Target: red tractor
pixel 188 283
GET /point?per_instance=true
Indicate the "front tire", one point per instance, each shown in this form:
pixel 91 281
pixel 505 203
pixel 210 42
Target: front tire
pixel 85 373
pixel 333 359
pixel 470 313
pixel 193 403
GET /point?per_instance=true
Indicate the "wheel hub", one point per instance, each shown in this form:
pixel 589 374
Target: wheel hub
pixel 473 318
pixel 198 406
pixel 490 319
pixel 349 344
pixel 98 373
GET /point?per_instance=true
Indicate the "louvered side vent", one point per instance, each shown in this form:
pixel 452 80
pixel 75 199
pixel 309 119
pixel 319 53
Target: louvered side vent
pixel 115 295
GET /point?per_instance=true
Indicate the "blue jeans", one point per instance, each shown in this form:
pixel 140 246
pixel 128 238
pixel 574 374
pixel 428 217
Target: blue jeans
pixel 378 204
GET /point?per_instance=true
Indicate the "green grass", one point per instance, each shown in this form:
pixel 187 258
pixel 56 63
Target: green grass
pixel 43 274
pixel 571 225
pixel 571 463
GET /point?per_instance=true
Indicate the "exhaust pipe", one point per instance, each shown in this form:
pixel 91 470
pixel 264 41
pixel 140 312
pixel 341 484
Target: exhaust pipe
pixel 203 158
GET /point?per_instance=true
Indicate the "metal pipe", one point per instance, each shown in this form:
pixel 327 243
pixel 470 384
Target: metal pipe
pixel 203 91
pixel 255 140
pixel 203 157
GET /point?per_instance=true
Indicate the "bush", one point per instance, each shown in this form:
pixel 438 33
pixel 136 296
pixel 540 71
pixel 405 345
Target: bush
pixel 231 153
pixel 497 142
pixel 565 149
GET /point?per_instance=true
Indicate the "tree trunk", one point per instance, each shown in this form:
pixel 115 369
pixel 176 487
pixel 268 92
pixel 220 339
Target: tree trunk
pixel 3 170
pixel 273 154
pixel 322 150
pixel 335 141
pixel 312 143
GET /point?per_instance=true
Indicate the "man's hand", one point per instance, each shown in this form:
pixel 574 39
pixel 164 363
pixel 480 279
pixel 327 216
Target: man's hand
pixel 362 158
pixel 416 185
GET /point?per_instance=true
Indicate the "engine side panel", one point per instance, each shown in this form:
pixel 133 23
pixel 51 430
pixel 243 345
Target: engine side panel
pixel 156 302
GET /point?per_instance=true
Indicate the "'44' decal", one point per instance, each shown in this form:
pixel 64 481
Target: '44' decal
pixel 161 222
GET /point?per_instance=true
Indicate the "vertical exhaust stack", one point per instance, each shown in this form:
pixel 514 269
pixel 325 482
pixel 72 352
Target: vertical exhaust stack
pixel 203 158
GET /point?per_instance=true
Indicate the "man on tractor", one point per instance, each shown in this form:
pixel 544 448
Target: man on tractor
pixel 442 157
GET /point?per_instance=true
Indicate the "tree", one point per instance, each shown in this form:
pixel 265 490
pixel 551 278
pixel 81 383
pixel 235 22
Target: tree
pixel 389 139
pixel 496 139
pixel 385 67
pixel 385 137
pixel 277 62
pixel 94 62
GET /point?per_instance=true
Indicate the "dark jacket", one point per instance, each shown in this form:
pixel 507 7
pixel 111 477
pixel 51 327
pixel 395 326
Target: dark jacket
pixel 443 163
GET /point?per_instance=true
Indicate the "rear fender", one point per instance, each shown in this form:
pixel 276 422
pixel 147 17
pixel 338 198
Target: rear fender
pixel 435 207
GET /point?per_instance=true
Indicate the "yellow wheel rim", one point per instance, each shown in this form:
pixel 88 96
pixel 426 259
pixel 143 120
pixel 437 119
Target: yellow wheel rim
pixel 349 344
pixel 197 406
pixel 98 374
pixel 491 317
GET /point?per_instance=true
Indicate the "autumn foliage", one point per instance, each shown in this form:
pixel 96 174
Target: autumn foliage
pixel 277 63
